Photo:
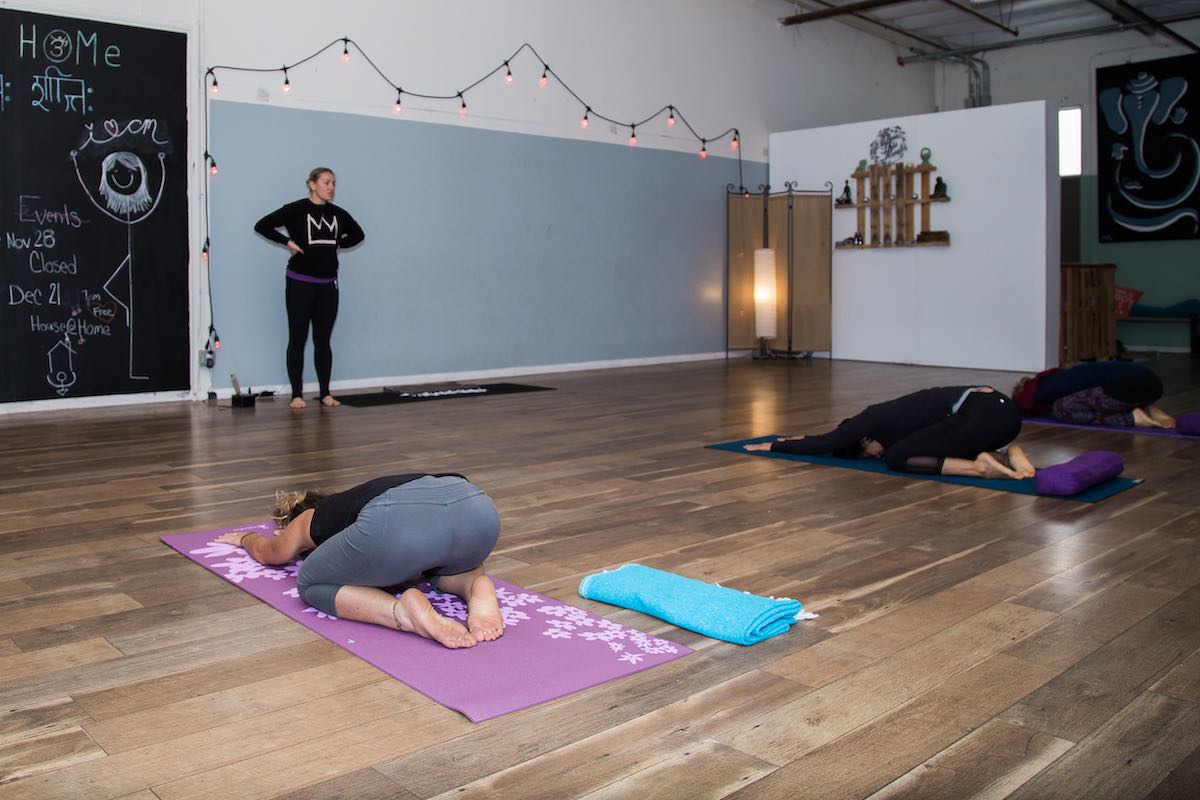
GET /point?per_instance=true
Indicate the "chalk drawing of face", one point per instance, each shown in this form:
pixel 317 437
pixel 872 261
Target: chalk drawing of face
pixel 123 184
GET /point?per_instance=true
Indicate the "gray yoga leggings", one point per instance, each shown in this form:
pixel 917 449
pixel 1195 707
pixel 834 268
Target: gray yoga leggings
pixel 425 528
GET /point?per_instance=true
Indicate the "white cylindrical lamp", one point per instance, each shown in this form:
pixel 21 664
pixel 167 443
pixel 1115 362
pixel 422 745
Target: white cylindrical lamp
pixel 764 293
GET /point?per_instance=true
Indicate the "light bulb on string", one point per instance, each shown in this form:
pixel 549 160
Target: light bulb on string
pixel 703 149
pixel 287 85
pixel 463 108
pixel 545 79
pixel 399 92
pixel 212 163
pixel 583 123
pixel 632 134
pixel 671 117
pixel 734 142
pixel 507 74
pixel 345 50
pixel 214 88
pixel 204 252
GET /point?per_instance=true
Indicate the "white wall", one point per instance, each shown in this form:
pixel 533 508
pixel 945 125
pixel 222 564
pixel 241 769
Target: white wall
pixel 1062 73
pixel 987 301
pixel 723 63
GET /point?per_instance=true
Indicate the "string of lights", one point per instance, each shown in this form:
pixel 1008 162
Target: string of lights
pixel 213 87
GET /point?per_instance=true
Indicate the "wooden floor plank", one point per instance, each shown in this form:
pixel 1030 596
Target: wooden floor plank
pixel 966 636
pixel 1134 749
pixel 987 764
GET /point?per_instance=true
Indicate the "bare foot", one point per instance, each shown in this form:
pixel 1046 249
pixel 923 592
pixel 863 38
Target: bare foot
pixel 297 402
pixel 329 401
pixel 988 466
pixel 414 614
pixel 1164 419
pixel 483 611
pixel 1143 420
pixel 1020 462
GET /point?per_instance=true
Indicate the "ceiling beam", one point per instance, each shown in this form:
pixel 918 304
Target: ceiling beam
pixel 1053 37
pixel 837 11
pixel 984 17
pixel 1137 13
pixel 872 27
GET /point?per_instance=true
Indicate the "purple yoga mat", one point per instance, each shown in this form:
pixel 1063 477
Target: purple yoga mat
pixel 548 650
pixel 1119 429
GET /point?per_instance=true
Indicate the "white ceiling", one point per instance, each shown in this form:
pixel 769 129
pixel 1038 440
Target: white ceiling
pixel 930 27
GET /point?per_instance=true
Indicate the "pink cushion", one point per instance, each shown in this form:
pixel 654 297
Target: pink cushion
pixel 1189 423
pixel 1081 472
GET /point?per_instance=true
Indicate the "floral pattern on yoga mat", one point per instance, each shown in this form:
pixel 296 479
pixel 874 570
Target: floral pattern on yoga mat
pixel 560 621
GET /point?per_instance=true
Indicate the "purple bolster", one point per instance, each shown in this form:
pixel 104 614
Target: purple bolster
pixel 1081 472
pixel 1188 424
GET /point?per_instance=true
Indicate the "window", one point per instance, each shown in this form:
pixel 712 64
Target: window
pixel 1070 141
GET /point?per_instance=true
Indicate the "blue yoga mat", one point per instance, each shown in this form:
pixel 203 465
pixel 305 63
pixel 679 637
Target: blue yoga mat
pixel 1092 495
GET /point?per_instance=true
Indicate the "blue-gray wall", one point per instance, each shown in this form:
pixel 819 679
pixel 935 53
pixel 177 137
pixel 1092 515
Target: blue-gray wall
pixel 485 250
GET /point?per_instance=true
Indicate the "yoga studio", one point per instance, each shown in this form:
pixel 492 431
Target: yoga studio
pixel 699 399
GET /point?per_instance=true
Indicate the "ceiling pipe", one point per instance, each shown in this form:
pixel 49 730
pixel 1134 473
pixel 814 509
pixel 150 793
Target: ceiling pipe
pixel 984 17
pixel 837 11
pixel 1053 37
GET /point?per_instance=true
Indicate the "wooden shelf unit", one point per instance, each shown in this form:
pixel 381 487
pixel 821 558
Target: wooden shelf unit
pixel 896 194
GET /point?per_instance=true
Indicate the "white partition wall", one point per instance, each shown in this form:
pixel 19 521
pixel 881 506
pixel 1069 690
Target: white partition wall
pixel 990 299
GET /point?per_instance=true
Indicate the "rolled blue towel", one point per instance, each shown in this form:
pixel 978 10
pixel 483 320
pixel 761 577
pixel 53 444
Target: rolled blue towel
pixel 715 611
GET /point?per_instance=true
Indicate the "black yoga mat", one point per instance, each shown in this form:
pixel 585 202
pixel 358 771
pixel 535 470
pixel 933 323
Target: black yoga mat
pixel 416 394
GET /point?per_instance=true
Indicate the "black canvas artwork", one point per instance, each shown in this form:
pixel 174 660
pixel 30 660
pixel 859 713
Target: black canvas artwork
pixel 1147 151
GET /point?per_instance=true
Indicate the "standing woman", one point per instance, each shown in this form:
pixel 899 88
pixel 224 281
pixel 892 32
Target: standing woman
pixel 315 229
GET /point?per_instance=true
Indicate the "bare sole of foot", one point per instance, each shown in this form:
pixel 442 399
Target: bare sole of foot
pixel 329 401
pixel 484 619
pixel 1020 462
pixel 297 402
pixel 416 615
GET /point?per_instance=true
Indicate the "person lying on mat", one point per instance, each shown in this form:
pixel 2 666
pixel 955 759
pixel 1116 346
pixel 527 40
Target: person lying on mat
pixel 946 430
pixel 387 532
pixel 1109 393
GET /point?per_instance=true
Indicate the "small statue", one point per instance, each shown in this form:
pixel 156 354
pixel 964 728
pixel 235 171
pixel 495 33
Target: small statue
pixel 939 190
pixel 858 238
pixel 862 166
pixel 844 199
pixel 926 154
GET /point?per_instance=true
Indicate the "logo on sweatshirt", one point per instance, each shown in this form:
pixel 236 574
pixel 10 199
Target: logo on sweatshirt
pixel 322 231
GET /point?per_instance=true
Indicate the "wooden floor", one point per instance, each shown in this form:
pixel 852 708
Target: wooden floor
pixel 971 643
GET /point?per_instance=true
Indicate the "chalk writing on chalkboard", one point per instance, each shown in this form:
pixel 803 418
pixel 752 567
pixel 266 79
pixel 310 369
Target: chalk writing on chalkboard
pixel 93 208
pixel 55 90
pixel 120 186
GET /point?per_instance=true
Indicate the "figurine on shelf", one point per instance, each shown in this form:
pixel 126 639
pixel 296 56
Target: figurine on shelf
pixel 844 199
pixel 862 166
pixel 926 154
pixel 939 190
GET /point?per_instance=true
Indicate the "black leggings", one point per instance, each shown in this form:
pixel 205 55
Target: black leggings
pixel 985 421
pixel 1139 389
pixel 315 304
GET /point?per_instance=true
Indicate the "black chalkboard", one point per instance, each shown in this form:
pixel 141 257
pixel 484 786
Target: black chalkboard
pixel 93 208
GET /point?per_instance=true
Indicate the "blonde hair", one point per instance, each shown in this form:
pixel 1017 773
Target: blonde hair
pixel 289 505
pixel 317 172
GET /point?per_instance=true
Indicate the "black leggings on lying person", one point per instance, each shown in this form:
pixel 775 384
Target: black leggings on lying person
pixel 919 431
